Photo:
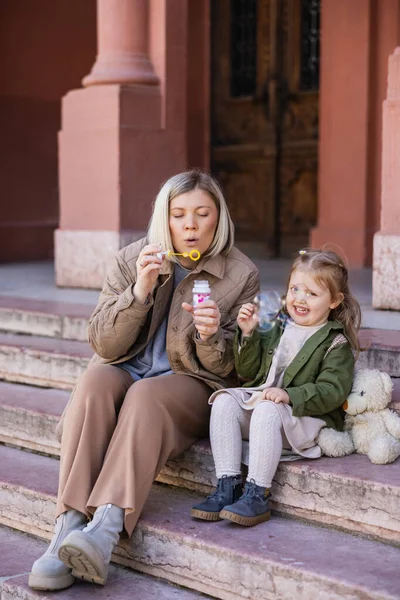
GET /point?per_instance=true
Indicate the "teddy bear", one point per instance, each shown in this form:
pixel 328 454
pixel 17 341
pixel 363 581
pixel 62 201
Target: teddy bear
pixel 370 427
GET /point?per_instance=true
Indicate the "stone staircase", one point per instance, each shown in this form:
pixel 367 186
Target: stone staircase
pixel 336 528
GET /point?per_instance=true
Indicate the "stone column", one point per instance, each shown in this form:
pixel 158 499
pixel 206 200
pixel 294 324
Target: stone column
pixel 343 160
pixel 121 136
pixel 356 40
pixel 123 32
pixel 386 258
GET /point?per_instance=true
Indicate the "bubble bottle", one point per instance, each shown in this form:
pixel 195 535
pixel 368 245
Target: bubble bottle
pixel 201 291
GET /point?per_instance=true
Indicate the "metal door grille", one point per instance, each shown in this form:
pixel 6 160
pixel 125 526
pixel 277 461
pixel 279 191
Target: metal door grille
pixel 309 51
pixel 243 47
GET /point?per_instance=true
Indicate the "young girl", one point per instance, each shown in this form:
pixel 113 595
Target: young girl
pixel 297 376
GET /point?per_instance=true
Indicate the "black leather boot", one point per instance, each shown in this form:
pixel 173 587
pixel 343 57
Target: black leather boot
pixel 251 508
pixel 229 489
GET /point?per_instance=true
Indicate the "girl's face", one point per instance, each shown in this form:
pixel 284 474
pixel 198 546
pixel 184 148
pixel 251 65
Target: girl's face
pixel 307 302
pixel 193 219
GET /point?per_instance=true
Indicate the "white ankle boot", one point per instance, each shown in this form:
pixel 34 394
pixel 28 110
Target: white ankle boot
pixel 48 572
pixel 88 552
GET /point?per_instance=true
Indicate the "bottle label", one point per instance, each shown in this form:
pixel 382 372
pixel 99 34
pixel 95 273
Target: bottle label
pixel 198 298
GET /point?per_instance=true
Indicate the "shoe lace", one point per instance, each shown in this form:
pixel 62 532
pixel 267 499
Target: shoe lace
pixel 250 491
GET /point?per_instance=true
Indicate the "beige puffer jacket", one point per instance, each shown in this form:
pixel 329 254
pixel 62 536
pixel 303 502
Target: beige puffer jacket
pixel 120 327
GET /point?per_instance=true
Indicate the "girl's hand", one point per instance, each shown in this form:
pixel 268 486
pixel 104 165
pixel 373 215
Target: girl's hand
pixel 247 318
pixel 276 395
pixel 148 267
pixel 206 317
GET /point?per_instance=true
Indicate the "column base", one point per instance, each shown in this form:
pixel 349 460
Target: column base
pixel 125 69
pixel 81 256
pixel 386 273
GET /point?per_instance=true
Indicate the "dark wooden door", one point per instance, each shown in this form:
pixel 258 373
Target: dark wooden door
pixel 264 117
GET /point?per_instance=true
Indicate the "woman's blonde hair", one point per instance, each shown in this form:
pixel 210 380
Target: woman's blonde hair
pixel 159 232
pixel 329 271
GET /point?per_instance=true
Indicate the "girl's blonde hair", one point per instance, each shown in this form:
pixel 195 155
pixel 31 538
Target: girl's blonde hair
pixel 159 232
pixel 330 272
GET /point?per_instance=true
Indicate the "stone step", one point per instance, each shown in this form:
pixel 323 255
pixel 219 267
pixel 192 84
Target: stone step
pixel 58 363
pixel 350 493
pixel 42 361
pixel 45 318
pixel 382 350
pixel 69 320
pixel 279 560
pixel 347 493
pixel 19 551
pixel 29 415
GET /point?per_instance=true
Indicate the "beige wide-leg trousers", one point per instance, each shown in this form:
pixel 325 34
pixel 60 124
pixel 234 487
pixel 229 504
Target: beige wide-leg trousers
pixel 118 435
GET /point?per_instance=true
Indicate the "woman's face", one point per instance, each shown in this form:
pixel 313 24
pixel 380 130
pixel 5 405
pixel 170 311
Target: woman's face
pixel 193 219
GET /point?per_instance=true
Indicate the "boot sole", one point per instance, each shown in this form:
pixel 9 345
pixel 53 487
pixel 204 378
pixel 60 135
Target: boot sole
pixel 204 515
pixel 40 582
pixel 83 559
pixel 246 521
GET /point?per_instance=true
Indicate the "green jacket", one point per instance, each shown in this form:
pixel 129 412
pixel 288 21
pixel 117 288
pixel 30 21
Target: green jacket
pixel 318 383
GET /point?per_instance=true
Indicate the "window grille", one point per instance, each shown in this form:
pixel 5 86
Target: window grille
pixel 243 47
pixel 309 52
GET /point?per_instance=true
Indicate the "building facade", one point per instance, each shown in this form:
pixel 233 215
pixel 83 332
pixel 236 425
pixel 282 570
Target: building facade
pixel 102 101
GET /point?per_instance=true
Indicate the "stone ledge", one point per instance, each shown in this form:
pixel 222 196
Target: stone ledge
pixel 349 493
pixel 42 361
pixel 382 351
pixel 81 256
pixel 281 559
pixel 44 318
pixel 57 363
pixel 386 272
pixel 19 551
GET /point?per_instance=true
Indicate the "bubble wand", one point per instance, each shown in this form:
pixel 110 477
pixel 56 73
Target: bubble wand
pixel 193 254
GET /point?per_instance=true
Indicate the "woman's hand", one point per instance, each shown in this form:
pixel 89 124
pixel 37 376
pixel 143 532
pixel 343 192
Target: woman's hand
pixel 148 267
pixel 276 395
pixel 206 317
pixel 247 318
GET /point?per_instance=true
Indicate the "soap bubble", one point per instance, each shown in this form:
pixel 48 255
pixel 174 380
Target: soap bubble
pixel 268 304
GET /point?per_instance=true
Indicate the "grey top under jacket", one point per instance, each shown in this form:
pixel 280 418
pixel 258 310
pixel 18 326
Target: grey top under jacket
pixel 153 360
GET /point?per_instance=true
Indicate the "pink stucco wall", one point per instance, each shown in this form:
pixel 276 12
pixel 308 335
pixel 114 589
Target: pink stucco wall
pixel 357 38
pixel 44 46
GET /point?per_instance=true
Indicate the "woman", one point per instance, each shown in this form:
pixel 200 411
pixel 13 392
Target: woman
pixel 144 398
